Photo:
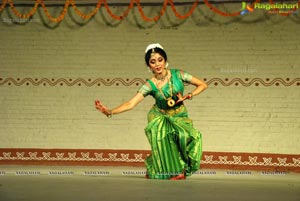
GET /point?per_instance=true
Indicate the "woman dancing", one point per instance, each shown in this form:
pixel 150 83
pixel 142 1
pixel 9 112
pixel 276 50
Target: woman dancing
pixel 176 146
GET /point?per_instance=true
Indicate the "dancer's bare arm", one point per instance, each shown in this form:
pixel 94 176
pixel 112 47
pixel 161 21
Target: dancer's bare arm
pixel 128 105
pixel 200 87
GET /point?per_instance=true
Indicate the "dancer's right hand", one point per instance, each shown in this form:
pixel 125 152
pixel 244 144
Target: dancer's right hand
pixel 99 106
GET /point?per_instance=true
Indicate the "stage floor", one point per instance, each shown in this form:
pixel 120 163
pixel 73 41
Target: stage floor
pixel 44 183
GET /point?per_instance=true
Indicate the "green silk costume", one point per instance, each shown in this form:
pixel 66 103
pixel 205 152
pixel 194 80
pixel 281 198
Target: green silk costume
pixel 176 145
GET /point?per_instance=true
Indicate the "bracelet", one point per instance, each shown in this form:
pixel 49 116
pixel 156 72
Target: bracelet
pixel 190 95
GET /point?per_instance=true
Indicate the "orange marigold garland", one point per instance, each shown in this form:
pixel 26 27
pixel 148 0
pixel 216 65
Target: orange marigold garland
pixel 24 16
pixel 124 14
pixel 62 15
pixel 188 14
pixel 214 9
pixel 156 18
pixel 86 16
pixel 4 2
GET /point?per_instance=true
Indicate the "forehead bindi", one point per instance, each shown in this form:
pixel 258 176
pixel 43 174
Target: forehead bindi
pixel 155 56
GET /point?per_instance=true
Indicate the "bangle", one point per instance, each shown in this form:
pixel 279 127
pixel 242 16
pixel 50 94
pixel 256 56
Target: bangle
pixel 190 95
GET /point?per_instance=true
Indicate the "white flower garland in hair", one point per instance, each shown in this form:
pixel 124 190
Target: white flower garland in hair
pixel 152 46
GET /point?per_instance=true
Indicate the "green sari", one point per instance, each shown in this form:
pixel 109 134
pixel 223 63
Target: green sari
pixel 176 145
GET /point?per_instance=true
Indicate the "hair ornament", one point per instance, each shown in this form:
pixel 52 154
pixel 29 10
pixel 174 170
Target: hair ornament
pixel 153 46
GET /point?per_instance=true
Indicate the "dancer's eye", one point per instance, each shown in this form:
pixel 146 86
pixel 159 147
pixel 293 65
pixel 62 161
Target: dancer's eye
pixel 152 61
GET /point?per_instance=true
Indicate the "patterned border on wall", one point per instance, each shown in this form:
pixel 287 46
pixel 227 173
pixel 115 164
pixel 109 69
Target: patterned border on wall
pixel 109 157
pixel 246 82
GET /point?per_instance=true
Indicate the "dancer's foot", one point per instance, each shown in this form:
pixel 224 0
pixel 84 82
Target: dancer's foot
pixel 147 176
pixel 179 177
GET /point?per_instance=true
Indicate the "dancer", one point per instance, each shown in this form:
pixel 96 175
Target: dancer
pixel 176 146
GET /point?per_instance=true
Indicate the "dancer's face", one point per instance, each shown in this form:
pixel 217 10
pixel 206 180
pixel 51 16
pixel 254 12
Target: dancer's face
pixel 157 63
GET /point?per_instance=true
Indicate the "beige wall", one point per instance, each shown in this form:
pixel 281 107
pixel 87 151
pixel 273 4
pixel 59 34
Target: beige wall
pixel 261 119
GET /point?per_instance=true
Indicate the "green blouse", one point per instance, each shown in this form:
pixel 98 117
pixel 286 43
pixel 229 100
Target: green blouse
pixel 178 78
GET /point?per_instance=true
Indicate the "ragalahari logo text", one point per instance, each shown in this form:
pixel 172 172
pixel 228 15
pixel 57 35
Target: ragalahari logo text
pixel 271 8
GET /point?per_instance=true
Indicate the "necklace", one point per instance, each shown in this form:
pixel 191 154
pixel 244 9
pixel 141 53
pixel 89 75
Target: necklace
pixel 163 77
pixel 170 100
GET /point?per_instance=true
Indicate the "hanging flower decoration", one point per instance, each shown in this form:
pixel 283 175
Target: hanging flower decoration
pixel 72 3
pixel 188 14
pixel 214 9
pixel 156 18
pixel 86 16
pixel 62 15
pixel 28 15
pixel 115 16
pixel 4 2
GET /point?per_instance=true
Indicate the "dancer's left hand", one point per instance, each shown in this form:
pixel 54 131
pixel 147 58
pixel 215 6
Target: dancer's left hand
pixel 182 98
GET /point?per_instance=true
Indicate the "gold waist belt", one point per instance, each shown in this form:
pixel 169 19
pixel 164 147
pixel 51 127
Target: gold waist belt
pixel 171 111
